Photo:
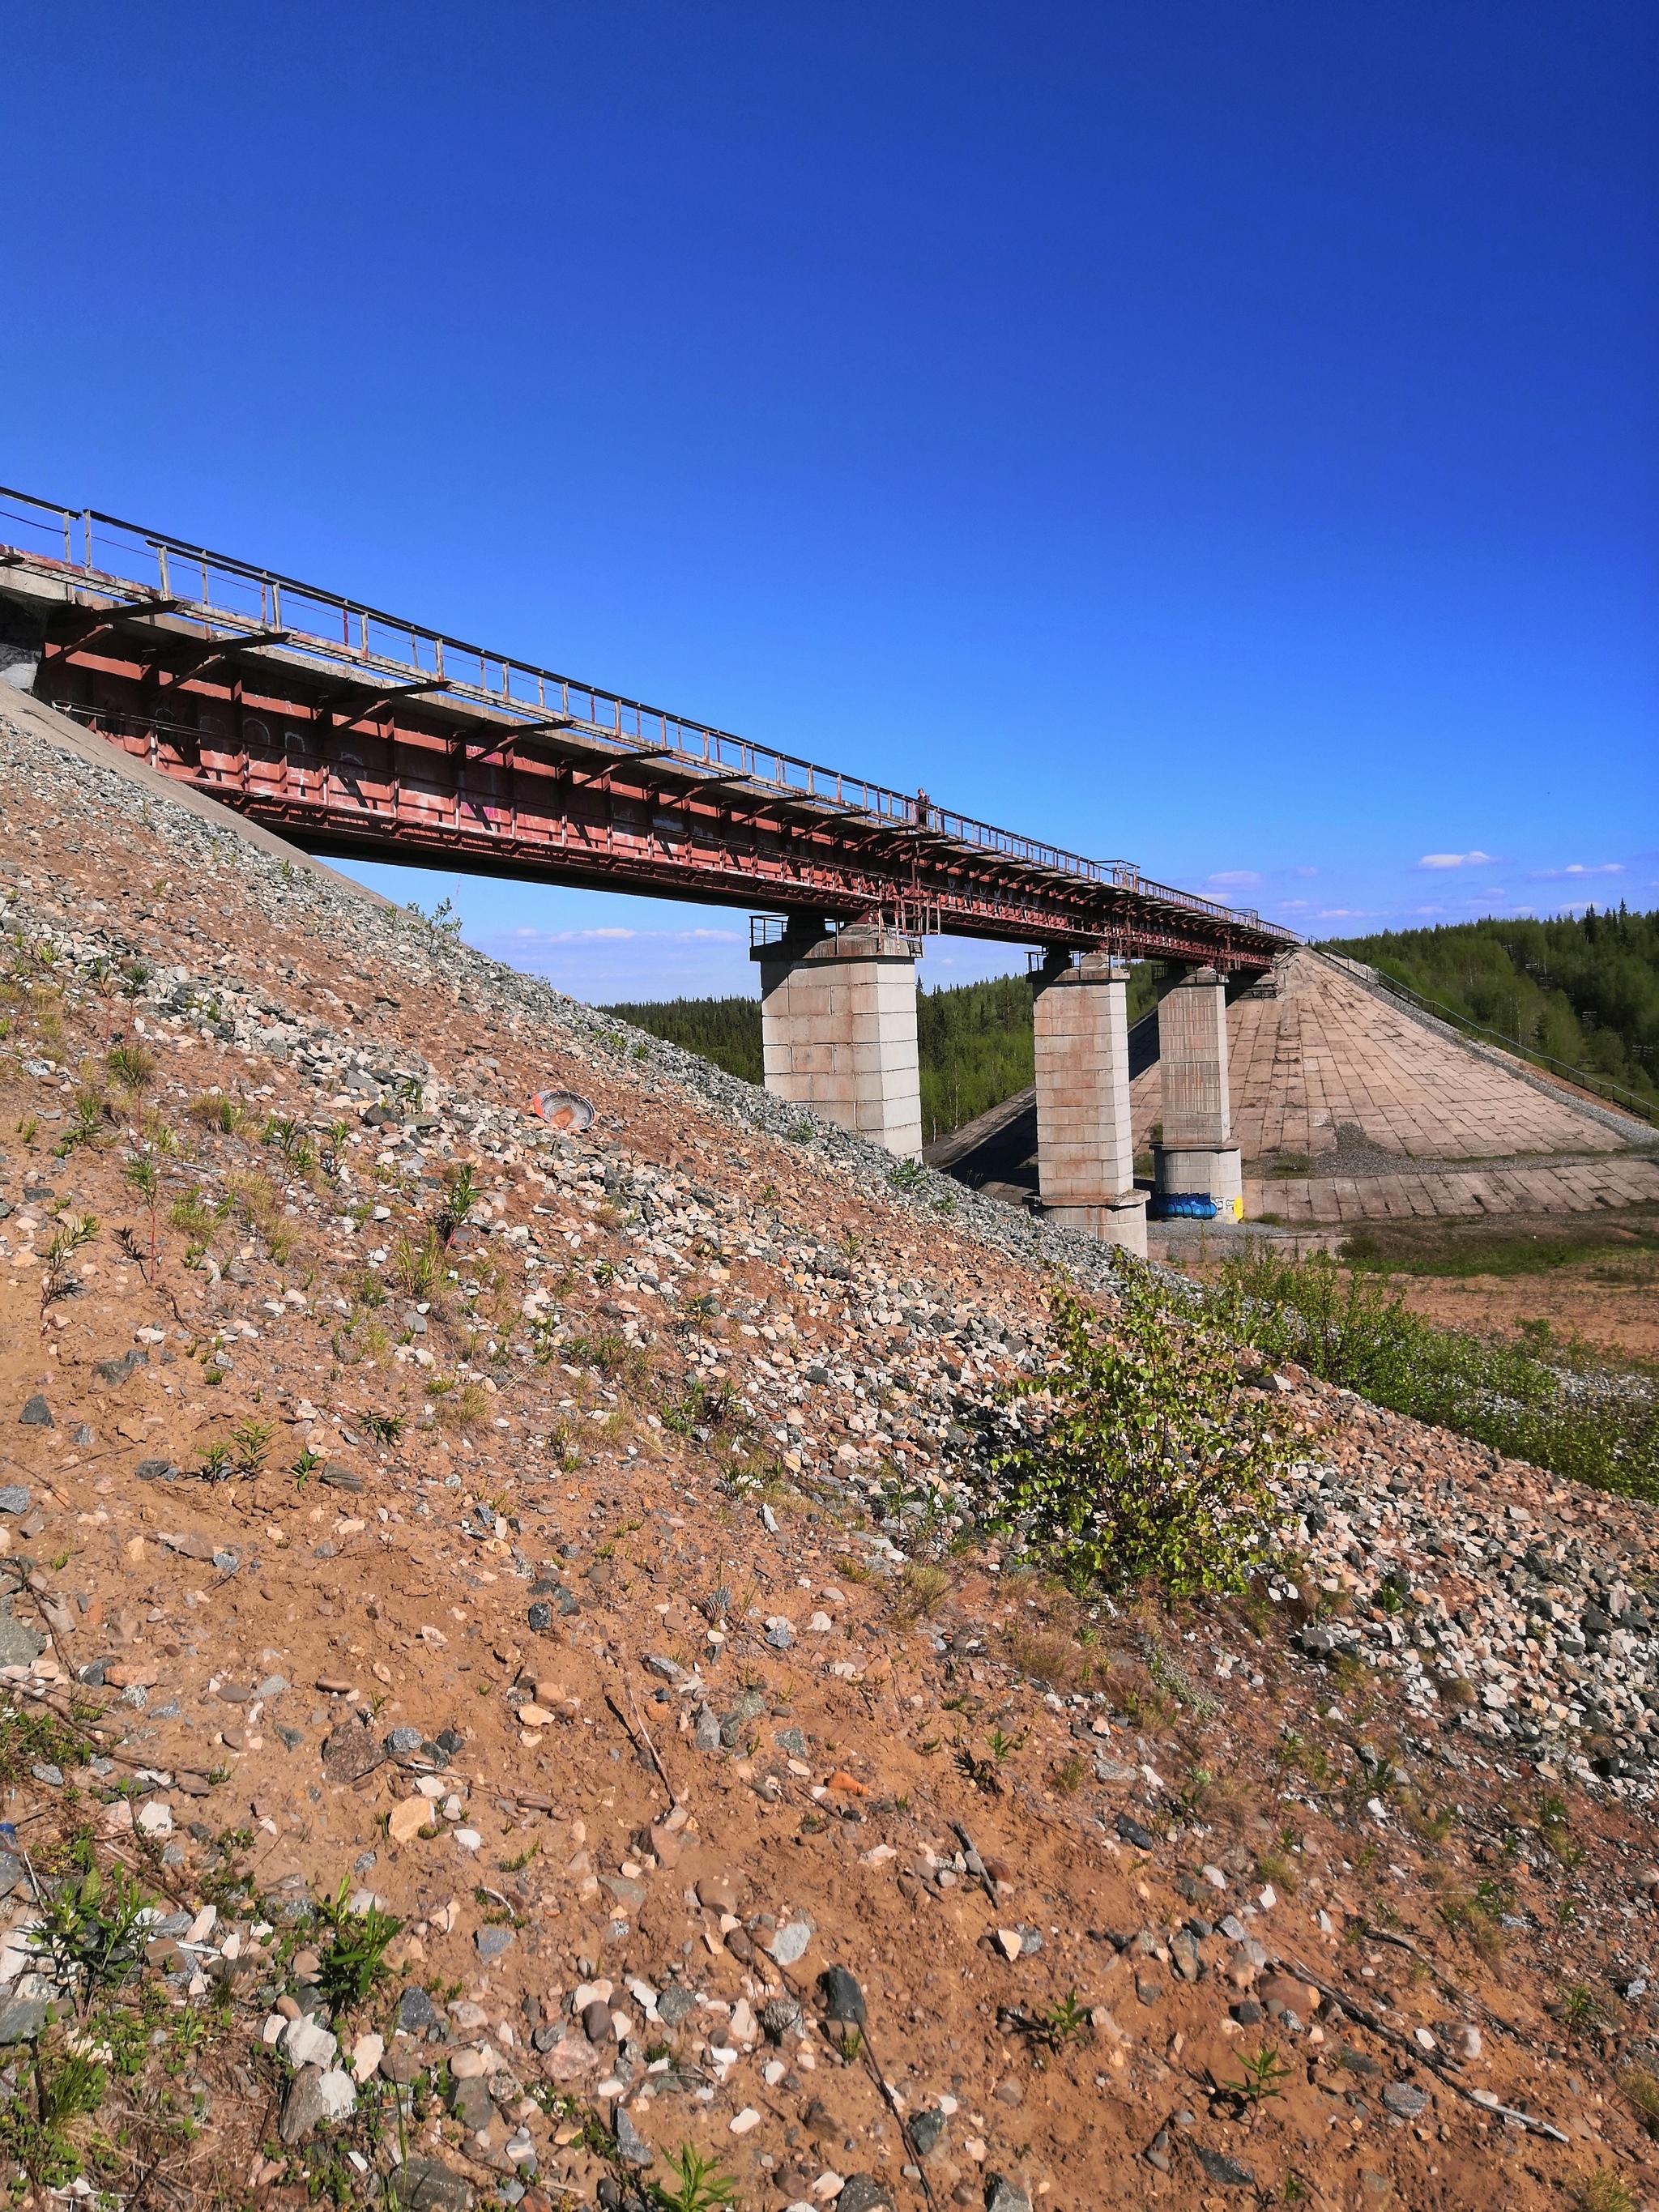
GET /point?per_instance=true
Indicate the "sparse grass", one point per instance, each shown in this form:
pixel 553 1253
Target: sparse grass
pixel 1605 2191
pixel 130 1068
pixel 1641 2090
pixel 923 1589
pixel 217 1110
pixel 416 1269
pixel 462 1406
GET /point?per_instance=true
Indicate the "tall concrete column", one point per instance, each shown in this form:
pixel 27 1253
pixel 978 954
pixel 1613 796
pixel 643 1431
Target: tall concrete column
pixel 838 1029
pixel 1197 1157
pixel 1085 1154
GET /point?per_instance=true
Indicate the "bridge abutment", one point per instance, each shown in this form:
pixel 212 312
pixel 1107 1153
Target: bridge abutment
pixel 1085 1154
pixel 1197 1157
pixel 838 1028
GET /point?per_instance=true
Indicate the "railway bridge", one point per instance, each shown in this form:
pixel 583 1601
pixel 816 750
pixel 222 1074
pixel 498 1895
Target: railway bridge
pixel 357 733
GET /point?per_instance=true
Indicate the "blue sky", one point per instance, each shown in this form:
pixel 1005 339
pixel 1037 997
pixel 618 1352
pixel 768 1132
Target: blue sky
pixel 1223 438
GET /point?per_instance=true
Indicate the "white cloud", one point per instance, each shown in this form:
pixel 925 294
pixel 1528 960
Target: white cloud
pixel 1577 868
pixel 1454 860
pixel 707 937
pixel 1304 871
pixel 1234 878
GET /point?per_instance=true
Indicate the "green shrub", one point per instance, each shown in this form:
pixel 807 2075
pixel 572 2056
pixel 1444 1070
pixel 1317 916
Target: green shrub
pixel 1142 1463
pixel 1345 1327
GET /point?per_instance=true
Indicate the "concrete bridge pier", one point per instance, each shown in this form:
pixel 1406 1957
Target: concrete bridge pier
pixel 838 1027
pixel 1197 1157
pixel 1085 1154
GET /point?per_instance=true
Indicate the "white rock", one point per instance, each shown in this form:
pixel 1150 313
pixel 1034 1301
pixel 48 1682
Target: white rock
pixel 468 1838
pixel 747 2119
pixel 155 1819
pixel 366 2055
pixel 308 2044
pixel 339 2093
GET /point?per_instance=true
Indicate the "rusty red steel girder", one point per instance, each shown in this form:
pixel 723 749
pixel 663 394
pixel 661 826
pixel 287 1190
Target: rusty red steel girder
pixel 355 734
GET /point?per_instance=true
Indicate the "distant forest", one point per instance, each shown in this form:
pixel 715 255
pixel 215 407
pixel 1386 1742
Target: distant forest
pixel 974 1041
pixel 1583 989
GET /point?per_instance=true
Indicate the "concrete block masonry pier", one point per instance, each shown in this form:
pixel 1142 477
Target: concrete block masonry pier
pixel 1197 1157
pixel 1085 1157
pixel 838 1028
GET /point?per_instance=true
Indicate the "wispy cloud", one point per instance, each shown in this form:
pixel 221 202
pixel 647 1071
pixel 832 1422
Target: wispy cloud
pixel 1576 868
pixel 1454 860
pixel 1234 878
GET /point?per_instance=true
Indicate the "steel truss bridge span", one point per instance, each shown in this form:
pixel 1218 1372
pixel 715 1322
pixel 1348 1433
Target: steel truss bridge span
pixel 356 734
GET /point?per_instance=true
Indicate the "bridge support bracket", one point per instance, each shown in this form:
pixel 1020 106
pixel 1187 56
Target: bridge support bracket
pixel 1085 1152
pixel 838 1028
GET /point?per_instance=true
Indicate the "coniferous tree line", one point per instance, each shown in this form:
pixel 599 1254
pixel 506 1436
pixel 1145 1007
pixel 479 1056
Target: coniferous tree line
pixel 1583 989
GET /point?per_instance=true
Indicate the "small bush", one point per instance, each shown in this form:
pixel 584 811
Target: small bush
pixel 1142 1465
pixel 354 1957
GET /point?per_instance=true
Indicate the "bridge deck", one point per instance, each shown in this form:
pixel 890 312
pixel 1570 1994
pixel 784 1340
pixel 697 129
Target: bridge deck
pixel 354 733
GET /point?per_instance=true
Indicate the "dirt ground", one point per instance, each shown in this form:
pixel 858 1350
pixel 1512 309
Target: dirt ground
pixel 706 1818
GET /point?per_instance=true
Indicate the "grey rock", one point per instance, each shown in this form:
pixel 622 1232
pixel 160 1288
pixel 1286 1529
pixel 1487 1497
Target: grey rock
pixel 304 2106
pixel 416 2011
pixel 792 1741
pixel 780 2016
pixel 492 1942
pixel 14 1499
pixel 708 1736
pixel 423 2185
pixel 632 2148
pixel 1184 1951
pixel 539 1617
pixel 790 1942
pixel 22 2020
pixel 674 2004
pixel 864 2193
pixel 1131 1831
pixel 844 2000
pixel 924 2131
pixel 779 1636
pixel 155 1470
pixel 733 1723
pixel 470 2102
pixel 11 1873
pixel 1406 2098
pixel 659 1663
pixel 44 1771
pixel 631 1893
pixel 403 1740
pixel 18 1646
pixel 36 1414
pixel 598 2024
pixel 1002 2196
pixel 1230 2172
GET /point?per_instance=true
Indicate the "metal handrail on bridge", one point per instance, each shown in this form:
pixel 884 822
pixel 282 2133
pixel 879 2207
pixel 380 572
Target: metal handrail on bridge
pixel 240 599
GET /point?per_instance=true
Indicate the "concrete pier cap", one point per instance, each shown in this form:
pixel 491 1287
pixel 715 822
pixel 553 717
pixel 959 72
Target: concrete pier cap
pixel 1085 1152
pixel 838 1026
pixel 1196 1157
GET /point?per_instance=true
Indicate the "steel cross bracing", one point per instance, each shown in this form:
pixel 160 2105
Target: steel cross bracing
pixel 354 733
